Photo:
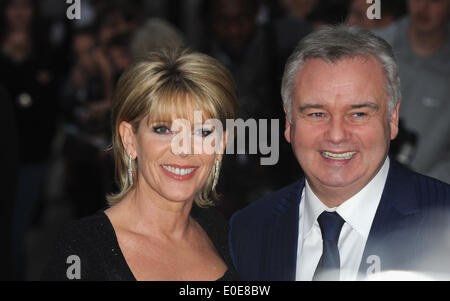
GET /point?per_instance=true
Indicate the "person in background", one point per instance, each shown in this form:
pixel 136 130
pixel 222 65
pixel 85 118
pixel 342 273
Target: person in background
pixel 389 13
pixel 27 73
pixel 113 18
pixel 421 43
pixel 252 54
pixel 119 54
pixel 160 224
pixel 356 212
pixel 86 125
pixel 300 8
pixel 328 12
pixel 156 34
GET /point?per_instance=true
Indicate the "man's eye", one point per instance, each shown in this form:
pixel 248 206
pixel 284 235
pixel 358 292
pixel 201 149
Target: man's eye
pixel 359 114
pixel 161 129
pixel 316 115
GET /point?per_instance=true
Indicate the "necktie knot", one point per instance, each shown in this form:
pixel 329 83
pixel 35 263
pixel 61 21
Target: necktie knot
pixel 330 224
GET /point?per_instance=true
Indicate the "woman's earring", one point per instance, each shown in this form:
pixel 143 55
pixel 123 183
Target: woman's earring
pixel 216 173
pixel 130 170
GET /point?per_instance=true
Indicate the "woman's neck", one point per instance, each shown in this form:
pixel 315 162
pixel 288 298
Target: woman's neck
pixel 154 216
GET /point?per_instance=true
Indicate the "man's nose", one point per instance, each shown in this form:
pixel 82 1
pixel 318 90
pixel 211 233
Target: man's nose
pixel 337 131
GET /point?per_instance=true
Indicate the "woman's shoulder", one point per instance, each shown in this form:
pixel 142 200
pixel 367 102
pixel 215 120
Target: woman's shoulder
pixel 210 218
pixel 85 230
pixel 83 242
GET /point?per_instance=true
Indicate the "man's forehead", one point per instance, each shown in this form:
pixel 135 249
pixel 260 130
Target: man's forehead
pixel 321 71
pixel 350 81
pixel 340 59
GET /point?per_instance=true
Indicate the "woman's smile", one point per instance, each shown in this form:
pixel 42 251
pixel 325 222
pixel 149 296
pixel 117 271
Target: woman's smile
pixel 179 172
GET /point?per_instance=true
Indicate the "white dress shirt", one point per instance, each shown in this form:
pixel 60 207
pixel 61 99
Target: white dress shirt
pixel 358 213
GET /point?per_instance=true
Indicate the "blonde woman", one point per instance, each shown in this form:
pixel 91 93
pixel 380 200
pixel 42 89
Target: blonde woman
pixel 160 225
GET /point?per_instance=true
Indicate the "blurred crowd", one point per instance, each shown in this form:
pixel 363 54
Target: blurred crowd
pixel 57 77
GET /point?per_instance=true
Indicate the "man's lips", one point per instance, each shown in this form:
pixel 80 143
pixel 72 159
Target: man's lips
pixel 347 155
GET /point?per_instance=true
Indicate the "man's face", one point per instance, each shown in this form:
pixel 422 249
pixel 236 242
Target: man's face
pixel 340 131
pixel 428 16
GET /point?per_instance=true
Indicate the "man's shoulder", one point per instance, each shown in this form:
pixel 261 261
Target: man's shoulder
pixel 274 202
pixel 431 189
pixel 426 189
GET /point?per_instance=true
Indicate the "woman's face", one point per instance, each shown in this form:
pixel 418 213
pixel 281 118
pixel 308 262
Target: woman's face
pixel 166 171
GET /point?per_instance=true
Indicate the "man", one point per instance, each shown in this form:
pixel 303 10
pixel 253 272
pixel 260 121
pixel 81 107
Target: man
pixel 356 212
pixel 421 43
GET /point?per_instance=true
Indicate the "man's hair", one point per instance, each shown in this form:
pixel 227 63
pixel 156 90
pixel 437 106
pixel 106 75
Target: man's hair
pixel 333 43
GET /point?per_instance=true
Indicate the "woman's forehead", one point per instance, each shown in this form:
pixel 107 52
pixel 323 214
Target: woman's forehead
pixel 180 107
pixel 179 113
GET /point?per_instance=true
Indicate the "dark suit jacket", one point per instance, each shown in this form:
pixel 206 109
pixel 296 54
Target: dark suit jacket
pixel 406 234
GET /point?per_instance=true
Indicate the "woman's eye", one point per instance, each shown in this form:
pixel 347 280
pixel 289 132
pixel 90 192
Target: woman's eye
pixel 161 129
pixel 203 132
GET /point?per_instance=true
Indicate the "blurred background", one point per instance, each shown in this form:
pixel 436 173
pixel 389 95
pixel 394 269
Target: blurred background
pixel 57 76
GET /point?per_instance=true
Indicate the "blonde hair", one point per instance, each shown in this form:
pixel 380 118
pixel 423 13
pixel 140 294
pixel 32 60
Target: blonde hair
pixel 159 84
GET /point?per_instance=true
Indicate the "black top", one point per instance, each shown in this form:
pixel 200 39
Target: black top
pixel 94 241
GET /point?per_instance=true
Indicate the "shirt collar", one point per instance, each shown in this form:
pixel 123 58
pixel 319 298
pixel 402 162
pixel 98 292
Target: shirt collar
pixel 358 211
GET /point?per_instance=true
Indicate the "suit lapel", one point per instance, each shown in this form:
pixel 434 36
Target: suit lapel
pixel 280 251
pixel 391 244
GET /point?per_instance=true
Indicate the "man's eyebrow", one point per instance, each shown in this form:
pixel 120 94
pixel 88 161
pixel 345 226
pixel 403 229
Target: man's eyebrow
pixel 370 105
pixel 307 106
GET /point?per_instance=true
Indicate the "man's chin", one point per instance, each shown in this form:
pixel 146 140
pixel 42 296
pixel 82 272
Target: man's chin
pixel 338 183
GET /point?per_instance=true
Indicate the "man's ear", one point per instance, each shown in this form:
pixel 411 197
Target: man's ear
pixel 287 130
pixel 128 138
pixel 394 121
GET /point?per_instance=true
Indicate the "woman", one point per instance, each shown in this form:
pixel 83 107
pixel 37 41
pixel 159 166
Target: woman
pixel 159 225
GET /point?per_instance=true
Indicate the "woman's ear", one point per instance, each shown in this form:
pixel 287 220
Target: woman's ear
pixel 222 146
pixel 128 138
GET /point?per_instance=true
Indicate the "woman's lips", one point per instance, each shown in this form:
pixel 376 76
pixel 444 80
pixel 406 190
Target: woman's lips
pixel 179 172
